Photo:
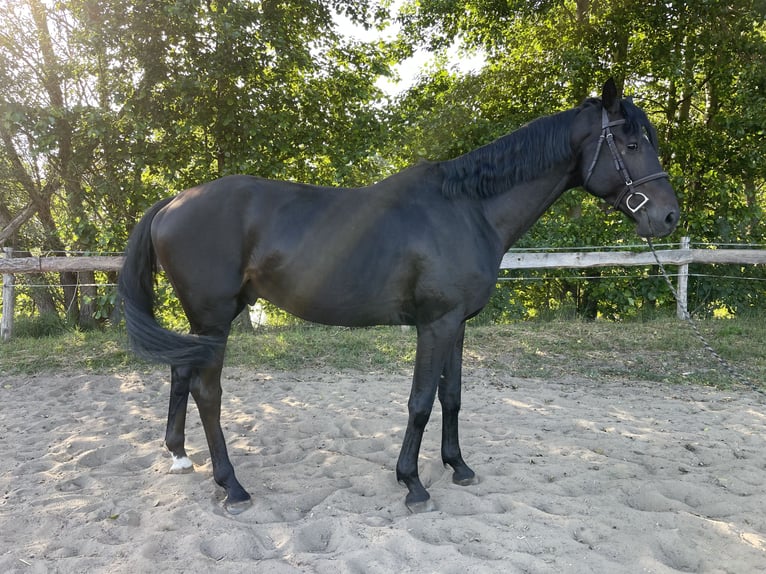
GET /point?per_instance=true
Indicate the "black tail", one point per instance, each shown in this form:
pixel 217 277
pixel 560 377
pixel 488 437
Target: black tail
pixel 136 289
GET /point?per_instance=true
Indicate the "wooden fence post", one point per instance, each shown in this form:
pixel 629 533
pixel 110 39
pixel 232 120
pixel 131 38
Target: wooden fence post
pixel 683 284
pixel 9 299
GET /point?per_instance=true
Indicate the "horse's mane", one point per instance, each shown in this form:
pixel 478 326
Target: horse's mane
pixel 512 159
pixel 523 154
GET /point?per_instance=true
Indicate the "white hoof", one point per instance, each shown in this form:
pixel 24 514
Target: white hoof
pixel 181 465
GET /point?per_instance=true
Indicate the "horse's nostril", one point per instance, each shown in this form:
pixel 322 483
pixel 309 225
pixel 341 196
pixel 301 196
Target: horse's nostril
pixel 672 218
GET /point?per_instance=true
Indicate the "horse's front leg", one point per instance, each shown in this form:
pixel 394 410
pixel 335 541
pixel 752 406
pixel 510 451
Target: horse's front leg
pixel 449 397
pixel 206 389
pixel 435 342
pixel 180 378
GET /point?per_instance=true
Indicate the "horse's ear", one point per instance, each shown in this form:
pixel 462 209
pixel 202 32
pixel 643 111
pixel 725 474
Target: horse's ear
pixel 610 99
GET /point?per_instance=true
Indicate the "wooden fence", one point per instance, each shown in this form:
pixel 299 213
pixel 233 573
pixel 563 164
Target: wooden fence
pixel 681 257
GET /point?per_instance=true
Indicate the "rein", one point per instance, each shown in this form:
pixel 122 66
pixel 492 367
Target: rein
pixel 629 193
pixel 736 375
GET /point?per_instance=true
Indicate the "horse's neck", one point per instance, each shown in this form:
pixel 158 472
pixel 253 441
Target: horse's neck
pixel 512 213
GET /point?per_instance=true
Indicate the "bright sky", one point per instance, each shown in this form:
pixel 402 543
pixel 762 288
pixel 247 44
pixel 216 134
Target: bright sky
pixel 409 69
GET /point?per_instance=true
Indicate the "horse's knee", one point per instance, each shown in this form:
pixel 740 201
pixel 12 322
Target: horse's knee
pixel 420 417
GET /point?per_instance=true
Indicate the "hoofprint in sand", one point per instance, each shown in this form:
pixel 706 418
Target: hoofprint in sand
pixel 575 476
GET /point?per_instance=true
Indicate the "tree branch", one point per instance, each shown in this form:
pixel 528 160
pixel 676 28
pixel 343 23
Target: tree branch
pixel 16 223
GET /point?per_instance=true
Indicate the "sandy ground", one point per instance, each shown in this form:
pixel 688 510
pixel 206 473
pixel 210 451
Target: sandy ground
pixel 576 476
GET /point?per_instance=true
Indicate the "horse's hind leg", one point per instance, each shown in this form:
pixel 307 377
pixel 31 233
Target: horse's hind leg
pixel 206 389
pixel 180 379
pixel 449 396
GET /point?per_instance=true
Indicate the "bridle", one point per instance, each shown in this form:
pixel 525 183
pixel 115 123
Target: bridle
pixel 629 193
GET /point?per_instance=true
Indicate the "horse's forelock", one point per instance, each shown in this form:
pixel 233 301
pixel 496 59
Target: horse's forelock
pixel 637 122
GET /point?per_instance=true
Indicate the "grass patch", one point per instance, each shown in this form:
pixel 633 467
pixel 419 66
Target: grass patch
pixel 663 349
pixel 45 325
pixel 305 346
pixel 68 351
pixel 660 350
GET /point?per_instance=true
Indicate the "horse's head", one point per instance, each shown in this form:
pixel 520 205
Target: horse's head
pixel 619 163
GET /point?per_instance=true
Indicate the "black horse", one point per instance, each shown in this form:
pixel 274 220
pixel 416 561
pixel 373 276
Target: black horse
pixel 422 248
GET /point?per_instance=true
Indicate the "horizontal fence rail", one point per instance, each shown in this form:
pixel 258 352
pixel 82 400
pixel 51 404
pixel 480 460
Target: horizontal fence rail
pixel 683 257
pixel 61 264
pixel 534 260
pixel 511 260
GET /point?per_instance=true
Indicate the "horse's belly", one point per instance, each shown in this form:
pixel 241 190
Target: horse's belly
pixel 336 300
pixel 340 310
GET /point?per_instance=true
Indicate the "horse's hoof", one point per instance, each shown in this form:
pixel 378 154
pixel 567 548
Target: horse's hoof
pixel 181 465
pixel 237 507
pixel 421 507
pixel 465 480
pixel 418 501
pixel 462 473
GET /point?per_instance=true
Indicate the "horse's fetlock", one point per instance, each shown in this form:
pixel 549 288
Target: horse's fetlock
pixel 175 444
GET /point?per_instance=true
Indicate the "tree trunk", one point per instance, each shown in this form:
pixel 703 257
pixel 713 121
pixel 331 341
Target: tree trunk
pixel 78 313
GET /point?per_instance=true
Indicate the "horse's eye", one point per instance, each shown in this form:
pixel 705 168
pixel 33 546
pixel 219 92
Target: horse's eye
pixel 632 146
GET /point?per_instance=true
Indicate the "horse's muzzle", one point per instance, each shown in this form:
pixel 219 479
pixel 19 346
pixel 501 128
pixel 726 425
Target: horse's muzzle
pixel 657 222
